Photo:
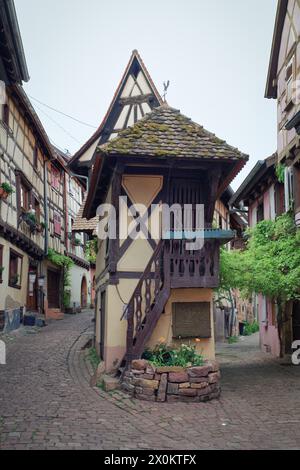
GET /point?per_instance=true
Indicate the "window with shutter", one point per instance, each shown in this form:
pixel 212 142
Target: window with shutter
pixel 57 224
pixel 55 178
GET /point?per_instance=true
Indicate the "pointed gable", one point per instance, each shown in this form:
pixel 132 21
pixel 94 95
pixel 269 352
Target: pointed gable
pixel 135 97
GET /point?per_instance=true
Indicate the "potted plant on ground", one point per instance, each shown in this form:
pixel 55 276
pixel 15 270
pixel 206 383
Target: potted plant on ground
pixel 5 190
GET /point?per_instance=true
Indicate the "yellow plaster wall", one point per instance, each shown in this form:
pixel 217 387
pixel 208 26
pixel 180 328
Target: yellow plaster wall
pixel 115 329
pixel 10 297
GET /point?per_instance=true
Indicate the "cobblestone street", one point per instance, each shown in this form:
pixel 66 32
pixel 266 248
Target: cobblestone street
pixel 46 401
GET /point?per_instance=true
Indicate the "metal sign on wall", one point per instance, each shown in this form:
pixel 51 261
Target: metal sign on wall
pixel 191 320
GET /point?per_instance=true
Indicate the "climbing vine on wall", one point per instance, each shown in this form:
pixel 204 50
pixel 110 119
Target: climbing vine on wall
pixel 91 250
pixel 280 171
pixel 66 264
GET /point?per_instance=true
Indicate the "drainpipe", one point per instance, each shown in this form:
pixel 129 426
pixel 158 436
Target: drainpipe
pixel 46 211
pixel 66 212
pixel 86 178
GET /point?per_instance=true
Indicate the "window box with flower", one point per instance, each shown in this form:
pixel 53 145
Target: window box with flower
pixel 5 191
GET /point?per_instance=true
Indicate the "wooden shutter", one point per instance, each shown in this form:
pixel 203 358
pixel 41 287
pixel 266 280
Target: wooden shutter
pixel 57 224
pixel 191 320
pixel 55 178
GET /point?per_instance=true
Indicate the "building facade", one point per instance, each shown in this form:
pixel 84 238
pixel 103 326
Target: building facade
pixel 263 195
pixel 283 85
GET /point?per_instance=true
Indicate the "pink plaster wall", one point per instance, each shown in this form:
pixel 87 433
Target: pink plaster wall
pixel 269 340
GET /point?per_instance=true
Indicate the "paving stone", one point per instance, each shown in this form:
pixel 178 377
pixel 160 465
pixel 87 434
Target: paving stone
pixel 46 401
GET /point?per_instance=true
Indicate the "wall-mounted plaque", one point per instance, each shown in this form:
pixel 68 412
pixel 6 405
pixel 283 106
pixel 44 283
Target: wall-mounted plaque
pixel 191 320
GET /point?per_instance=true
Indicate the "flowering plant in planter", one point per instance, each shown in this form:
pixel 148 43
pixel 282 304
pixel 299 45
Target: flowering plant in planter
pixel 41 227
pixel 76 242
pixel 5 190
pixel 163 355
pixel 30 219
pixel 14 280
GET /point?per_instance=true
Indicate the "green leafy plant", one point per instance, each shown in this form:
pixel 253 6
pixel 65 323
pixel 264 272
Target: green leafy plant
pixel 66 264
pixel 93 358
pixel 76 241
pixel 14 280
pixel 251 328
pixel 7 188
pixel 163 355
pixel 1 270
pixel 280 172
pixel 233 339
pixel 270 265
pixel 30 218
pixel 91 250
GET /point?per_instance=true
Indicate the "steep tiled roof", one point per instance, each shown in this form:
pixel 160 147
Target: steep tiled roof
pixel 83 225
pixel 166 132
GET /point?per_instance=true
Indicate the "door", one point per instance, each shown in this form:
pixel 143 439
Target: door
pixel 296 321
pixel 83 293
pixel 102 324
pixel 32 290
pixel 53 281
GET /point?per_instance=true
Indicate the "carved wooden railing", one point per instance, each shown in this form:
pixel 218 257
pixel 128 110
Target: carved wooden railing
pixel 198 268
pixel 147 304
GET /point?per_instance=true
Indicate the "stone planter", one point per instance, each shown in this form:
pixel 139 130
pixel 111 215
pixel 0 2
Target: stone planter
pixel 173 384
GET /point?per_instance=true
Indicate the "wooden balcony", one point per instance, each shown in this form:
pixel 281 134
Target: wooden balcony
pixel 199 268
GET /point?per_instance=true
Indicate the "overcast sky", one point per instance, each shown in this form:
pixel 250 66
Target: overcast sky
pixel 214 52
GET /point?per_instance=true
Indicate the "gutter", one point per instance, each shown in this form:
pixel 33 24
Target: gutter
pixel 244 186
pixel 46 211
pixel 16 39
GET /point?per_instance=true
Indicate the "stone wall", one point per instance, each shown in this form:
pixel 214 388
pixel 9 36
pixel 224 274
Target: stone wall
pixel 172 384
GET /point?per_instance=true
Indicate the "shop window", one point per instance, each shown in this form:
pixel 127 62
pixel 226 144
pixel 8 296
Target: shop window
pixel 15 269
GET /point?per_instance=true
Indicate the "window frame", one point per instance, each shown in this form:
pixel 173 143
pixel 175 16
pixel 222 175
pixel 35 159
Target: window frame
pixel 19 259
pixel 55 233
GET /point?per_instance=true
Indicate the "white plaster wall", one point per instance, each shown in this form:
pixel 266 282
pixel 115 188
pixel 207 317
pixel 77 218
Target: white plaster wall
pixel 77 273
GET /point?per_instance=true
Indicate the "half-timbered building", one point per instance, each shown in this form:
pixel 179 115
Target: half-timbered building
pixel 263 195
pixel 26 153
pixel 150 287
pixel 283 85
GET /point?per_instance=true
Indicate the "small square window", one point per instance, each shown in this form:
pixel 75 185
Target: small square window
pixel 15 269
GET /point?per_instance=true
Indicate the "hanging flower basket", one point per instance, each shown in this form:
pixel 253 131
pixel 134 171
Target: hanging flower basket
pixel 5 191
pixel 30 220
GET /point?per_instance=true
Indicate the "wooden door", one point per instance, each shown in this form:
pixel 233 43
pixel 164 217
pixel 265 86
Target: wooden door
pixel 83 293
pixel 53 281
pixel 32 292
